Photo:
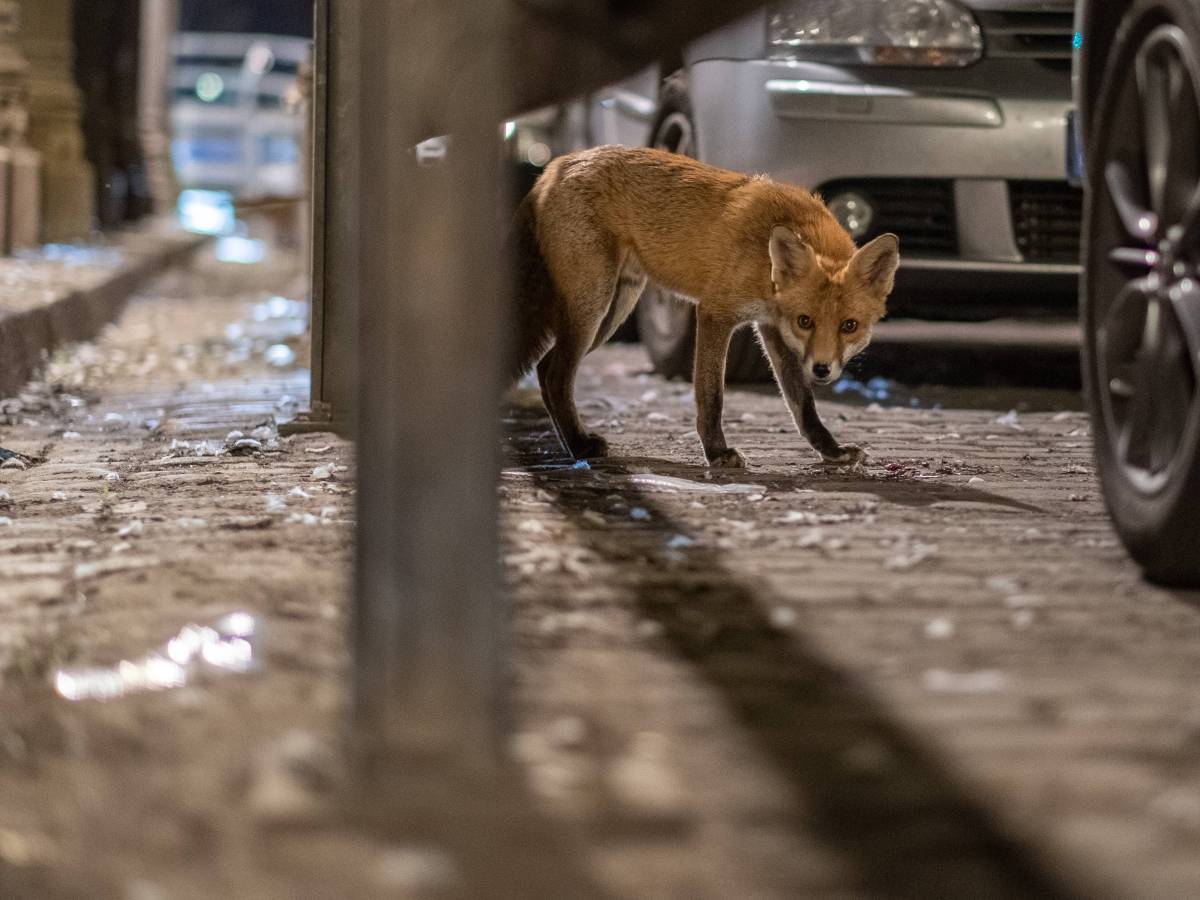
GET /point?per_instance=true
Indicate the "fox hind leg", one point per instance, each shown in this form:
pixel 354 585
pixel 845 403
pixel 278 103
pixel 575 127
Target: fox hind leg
pixel 556 377
pixel 586 262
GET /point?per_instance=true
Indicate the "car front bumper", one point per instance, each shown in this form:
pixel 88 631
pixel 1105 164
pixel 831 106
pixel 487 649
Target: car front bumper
pixel 989 131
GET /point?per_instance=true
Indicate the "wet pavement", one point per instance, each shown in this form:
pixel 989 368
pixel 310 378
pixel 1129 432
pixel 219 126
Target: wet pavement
pixel 936 676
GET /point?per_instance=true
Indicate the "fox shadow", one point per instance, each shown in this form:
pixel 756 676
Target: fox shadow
pixel 823 479
pixel 906 826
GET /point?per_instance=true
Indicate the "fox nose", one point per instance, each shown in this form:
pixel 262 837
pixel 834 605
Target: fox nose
pixel 821 370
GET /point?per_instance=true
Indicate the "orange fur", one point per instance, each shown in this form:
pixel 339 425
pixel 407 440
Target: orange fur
pixel 743 248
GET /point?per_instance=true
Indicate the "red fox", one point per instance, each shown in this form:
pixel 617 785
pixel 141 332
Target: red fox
pixel 744 249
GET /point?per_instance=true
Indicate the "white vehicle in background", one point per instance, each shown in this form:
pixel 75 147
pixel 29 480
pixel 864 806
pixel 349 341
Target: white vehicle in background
pixel 234 129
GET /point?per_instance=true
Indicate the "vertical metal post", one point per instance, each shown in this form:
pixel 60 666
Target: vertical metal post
pixel 429 614
pixel 335 244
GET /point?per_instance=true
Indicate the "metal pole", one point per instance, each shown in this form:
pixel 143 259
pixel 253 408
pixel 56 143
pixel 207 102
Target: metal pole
pixel 429 613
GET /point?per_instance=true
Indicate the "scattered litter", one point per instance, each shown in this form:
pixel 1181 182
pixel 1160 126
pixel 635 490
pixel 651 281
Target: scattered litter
pixel 581 464
pixel 280 355
pixel 639 514
pixel 112 476
pixel 644 784
pixel 1062 416
pixel 982 681
pixel 133 529
pixel 939 629
pixel 5 521
pixel 909 556
pixel 1179 805
pixel 1077 498
pixel 114 417
pixel 531 526
pixel 567 731
pixel 1003 584
pixel 416 870
pixel 648 629
pixel 649 396
pixel 303 519
pixel 875 389
pixel 298 491
pixel 975 479
pixel 232 645
pixel 800 517
pixel 811 538
pixel 5 496
pixel 1077 470
pixel 680 542
pixel 14 462
pixel 1022 619
pixel 291 777
pixel 245 446
pixel 322 473
pixel 651 482
pixel 782 617
pixel 575 620
pixel 191 523
pixel 276 504
pixel 658 417
pixel 324 448
pixel 593 518
pixel 71 435
pixel 1009 419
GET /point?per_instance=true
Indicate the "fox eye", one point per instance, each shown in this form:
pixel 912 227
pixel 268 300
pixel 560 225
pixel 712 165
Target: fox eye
pixel 805 323
pixel 849 326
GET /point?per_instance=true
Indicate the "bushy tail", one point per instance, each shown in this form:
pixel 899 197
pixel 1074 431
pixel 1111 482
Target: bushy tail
pixel 533 299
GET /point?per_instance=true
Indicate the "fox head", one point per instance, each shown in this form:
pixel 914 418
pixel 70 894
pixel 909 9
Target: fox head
pixel 826 311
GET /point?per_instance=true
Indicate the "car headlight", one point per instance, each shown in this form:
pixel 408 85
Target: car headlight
pixel 875 32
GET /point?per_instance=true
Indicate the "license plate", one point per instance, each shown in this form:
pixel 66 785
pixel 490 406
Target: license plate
pixel 1074 149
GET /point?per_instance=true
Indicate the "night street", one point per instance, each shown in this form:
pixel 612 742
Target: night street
pixel 938 671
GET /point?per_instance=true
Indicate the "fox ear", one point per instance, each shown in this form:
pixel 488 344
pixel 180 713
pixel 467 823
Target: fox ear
pixel 790 257
pixel 875 264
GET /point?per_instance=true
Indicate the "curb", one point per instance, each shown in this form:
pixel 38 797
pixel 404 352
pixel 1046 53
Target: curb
pixel 27 336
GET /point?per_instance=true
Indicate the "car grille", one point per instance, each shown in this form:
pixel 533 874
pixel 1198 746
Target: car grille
pixel 1043 35
pixel 1046 220
pixel 919 211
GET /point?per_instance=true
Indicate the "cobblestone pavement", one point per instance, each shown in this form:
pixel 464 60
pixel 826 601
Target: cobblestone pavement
pixel 935 677
pixel 942 668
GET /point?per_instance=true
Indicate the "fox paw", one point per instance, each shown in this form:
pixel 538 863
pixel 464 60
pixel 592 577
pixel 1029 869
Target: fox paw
pixel 727 459
pixel 592 446
pixel 846 455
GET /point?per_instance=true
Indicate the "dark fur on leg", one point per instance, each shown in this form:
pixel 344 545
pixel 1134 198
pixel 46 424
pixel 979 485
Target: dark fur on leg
pixel 534 295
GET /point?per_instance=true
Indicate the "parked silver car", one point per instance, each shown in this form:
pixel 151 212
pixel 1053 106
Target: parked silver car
pixel 939 120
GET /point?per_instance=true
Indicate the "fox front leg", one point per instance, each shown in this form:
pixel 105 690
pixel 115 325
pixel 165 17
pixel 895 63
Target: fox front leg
pixel 803 406
pixel 712 346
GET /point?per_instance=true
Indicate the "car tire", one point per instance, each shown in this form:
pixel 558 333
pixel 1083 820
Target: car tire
pixel 1140 291
pixel 666 324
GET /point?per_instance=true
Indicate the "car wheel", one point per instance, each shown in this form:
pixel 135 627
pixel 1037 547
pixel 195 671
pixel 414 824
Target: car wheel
pixel 1141 287
pixel 667 324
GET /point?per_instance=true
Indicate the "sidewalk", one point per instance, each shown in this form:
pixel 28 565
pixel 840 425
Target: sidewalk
pixel 937 677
